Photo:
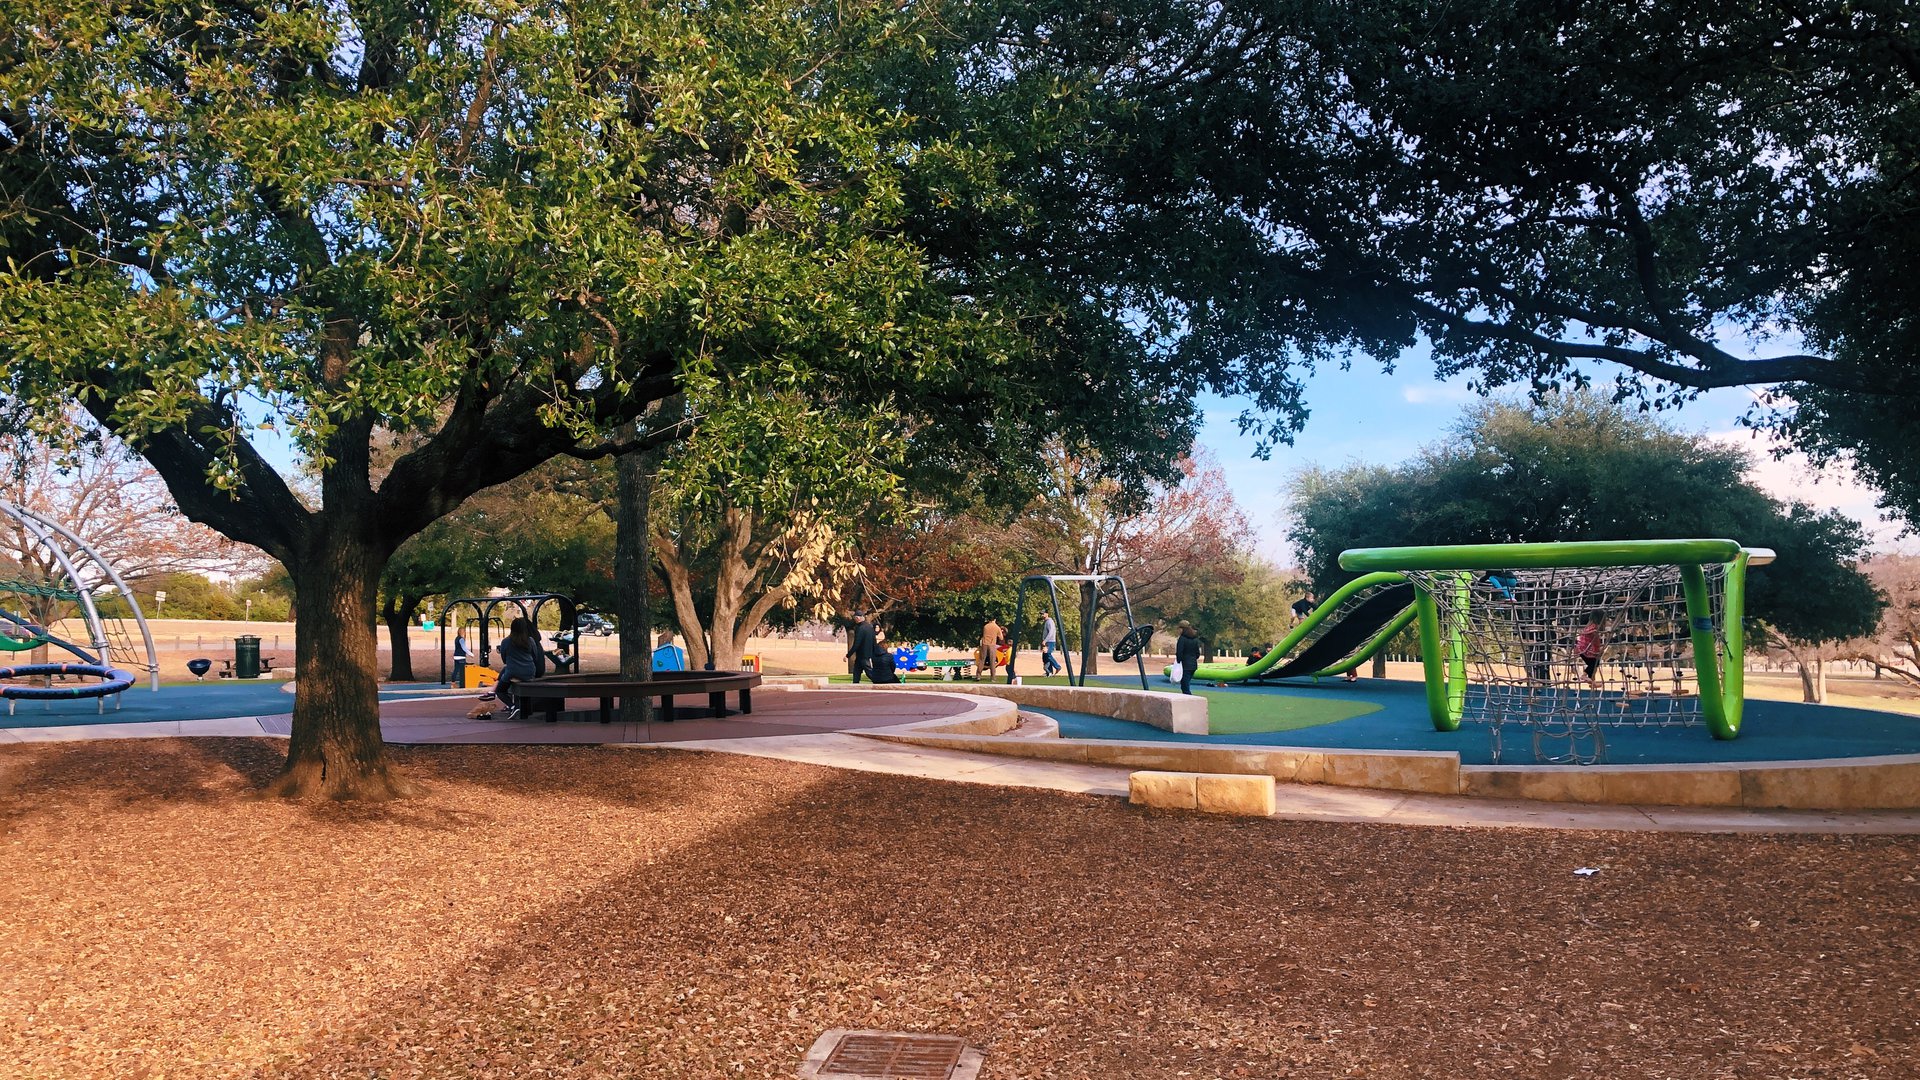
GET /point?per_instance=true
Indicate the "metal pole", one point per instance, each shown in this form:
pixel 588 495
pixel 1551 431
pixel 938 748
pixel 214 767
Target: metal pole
pixel 1053 590
pixel 1139 657
pixel 1019 620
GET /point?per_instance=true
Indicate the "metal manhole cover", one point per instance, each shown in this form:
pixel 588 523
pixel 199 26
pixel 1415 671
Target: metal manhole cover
pixel 841 1054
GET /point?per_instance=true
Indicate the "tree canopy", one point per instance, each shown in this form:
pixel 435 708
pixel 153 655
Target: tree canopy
pixel 502 230
pixel 1682 195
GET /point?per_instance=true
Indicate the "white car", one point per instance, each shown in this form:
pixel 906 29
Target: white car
pixel 598 625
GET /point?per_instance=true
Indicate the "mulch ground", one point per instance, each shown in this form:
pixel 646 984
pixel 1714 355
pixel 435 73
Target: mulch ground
pixel 567 911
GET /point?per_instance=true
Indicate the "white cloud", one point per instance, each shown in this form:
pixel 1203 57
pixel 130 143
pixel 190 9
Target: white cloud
pixel 1828 487
pixel 1436 394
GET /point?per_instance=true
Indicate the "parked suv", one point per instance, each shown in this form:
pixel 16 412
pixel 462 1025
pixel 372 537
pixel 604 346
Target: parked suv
pixel 592 623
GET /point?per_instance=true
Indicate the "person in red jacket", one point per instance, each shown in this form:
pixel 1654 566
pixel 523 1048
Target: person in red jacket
pixel 1589 644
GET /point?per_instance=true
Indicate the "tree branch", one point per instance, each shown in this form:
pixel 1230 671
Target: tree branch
pixel 1814 370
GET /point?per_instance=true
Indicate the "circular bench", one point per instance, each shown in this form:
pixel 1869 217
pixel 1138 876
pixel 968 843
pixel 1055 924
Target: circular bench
pixel 549 695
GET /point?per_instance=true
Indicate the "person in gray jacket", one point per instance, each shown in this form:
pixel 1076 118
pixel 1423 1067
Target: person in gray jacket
pixel 521 658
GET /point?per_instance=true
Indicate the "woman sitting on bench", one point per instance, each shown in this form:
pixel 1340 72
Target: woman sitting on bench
pixel 521 658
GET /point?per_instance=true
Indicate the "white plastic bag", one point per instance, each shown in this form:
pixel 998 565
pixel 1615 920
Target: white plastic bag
pixel 1173 673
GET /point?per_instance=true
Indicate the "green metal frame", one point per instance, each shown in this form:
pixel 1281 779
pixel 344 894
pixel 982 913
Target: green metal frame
pixel 1539 556
pixel 1719 661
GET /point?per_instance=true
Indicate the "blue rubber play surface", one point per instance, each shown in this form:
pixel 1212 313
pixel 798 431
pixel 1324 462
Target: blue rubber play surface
pixel 188 701
pixel 1771 731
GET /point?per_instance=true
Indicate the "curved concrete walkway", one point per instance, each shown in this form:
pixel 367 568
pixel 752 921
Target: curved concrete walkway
pixel 813 728
pixel 1305 802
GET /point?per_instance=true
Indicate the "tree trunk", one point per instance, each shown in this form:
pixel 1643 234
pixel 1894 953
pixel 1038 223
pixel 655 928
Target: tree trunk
pixel 336 750
pixel 398 615
pixel 724 625
pixel 685 612
pixel 1380 664
pixel 632 577
pixel 1810 687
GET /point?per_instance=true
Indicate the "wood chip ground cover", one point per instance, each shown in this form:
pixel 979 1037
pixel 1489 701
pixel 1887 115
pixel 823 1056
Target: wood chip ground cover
pixel 585 912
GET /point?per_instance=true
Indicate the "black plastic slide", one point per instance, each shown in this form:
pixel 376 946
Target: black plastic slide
pixel 1339 642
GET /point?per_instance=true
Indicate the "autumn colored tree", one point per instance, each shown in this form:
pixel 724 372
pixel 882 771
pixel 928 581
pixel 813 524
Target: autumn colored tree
pixel 1894 646
pixel 116 503
pixel 942 573
pixel 1170 538
pixel 936 576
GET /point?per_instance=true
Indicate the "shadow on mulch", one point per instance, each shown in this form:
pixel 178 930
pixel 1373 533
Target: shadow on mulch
pixel 203 771
pixel 562 769
pixel 1078 937
pixel 208 771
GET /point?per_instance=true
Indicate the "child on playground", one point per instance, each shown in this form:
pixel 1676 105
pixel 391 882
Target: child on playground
pixel 1589 644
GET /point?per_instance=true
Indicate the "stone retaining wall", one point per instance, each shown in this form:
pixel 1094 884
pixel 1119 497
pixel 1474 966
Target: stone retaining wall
pixel 1879 783
pixel 1181 713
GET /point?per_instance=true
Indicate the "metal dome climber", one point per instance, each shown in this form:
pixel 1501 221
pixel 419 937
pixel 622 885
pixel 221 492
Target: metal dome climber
pixel 111 653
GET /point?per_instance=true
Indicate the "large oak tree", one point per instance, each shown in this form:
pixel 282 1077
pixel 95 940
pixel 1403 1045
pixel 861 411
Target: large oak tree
pixel 1682 195
pixel 498 228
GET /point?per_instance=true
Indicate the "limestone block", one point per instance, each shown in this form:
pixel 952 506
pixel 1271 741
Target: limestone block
pixel 1223 794
pixel 1673 785
pixel 1538 783
pixel 1891 783
pixel 1435 773
pixel 1187 715
pixel 1168 790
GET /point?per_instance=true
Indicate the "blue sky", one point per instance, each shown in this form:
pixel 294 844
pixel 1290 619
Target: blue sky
pixel 1365 415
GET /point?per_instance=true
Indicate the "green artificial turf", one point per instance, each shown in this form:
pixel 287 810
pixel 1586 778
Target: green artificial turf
pixel 1246 714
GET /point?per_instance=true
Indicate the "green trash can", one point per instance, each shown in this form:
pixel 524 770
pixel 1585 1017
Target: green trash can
pixel 246 657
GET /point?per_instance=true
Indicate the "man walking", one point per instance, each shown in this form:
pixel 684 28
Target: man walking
pixel 862 648
pixel 1049 636
pixel 1186 653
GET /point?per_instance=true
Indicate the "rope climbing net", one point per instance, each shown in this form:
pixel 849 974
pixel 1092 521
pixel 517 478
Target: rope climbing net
pixel 1569 651
pixel 1570 640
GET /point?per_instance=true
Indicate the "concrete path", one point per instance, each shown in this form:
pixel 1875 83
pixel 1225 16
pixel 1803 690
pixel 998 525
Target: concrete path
pixel 1304 802
pixel 802 727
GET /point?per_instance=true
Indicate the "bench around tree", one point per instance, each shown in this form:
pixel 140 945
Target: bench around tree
pixel 549 695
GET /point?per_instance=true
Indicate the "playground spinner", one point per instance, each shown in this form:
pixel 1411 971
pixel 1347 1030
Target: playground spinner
pixel 111 647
